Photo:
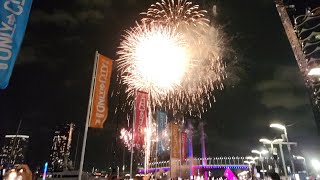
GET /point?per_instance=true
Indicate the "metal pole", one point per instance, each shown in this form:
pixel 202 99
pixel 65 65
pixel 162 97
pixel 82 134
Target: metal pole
pixel 123 163
pixel 180 152
pixel 305 164
pixel 289 149
pixel 132 139
pixel 157 146
pixel 262 159
pixel 275 160
pixel 88 116
pixel 283 162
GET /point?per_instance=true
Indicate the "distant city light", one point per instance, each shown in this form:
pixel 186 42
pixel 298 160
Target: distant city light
pixel 45 169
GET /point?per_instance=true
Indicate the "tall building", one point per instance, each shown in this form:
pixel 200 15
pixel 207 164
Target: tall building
pixel 61 146
pixel 14 150
pixel 301 21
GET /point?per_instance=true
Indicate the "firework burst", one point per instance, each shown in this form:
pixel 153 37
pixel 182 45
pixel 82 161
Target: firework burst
pixel 126 137
pixel 176 12
pixel 174 55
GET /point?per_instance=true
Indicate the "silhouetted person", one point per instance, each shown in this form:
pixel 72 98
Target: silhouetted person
pixel 274 176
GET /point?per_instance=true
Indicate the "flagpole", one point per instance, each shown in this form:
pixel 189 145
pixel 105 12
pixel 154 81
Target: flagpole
pixel 88 116
pixel 133 129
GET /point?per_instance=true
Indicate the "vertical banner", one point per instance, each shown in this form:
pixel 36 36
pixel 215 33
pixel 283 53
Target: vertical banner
pixel 183 146
pixel 161 121
pixel 14 16
pixel 140 117
pixel 190 147
pixel 175 151
pixel 99 108
pixel 175 143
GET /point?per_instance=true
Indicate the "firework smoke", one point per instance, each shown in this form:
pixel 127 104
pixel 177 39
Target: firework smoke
pixel 175 55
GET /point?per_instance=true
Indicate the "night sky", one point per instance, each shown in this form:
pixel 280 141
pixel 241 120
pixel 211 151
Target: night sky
pixel 51 79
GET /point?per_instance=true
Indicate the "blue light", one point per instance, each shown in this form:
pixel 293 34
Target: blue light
pixel 45 169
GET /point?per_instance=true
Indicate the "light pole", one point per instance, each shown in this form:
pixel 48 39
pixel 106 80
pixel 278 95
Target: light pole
pixel 282 127
pixel 275 141
pixel 261 157
pixel 251 167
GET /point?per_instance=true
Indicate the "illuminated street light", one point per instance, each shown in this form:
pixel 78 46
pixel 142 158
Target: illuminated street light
pixel 261 158
pixel 260 152
pixel 252 158
pixel 267 141
pixel 279 126
pixel 282 127
pixel 275 141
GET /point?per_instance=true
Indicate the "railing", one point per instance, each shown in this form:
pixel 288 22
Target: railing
pixel 210 162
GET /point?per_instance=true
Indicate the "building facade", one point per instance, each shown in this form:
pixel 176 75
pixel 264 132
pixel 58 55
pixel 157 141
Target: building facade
pixel 14 150
pixel 61 146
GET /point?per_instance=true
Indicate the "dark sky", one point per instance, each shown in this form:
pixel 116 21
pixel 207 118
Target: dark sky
pixel 51 79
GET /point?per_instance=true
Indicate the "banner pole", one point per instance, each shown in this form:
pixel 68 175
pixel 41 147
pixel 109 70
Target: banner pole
pixel 157 143
pixel 88 116
pixel 133 129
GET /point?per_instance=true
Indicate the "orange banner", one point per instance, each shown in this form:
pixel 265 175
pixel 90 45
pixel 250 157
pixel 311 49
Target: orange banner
pixel 175 143
pixel 99 106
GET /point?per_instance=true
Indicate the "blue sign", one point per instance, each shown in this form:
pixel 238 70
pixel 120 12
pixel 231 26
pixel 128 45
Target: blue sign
pixel 162 120
pixel 14 16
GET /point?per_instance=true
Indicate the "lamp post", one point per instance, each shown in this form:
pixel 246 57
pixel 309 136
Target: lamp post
pixel 251 164
pixel 282 127
pixel 275 141
pixel 261 157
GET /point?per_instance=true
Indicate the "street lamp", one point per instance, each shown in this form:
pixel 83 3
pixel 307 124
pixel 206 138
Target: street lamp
pixel 252 158
pixel 279 126
pixel 261 158
pixel 260 152
pixel 282 127
pixel 275 141
pixel 267 141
